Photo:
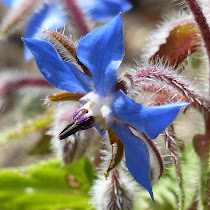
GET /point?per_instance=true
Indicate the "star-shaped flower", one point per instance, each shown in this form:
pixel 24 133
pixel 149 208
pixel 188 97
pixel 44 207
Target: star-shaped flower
pixel 102 51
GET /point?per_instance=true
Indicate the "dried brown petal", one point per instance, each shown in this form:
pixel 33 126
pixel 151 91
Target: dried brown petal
pixel 117 151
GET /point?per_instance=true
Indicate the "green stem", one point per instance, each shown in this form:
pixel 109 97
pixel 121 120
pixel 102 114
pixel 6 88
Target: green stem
pixel 40 123
pixel 202 147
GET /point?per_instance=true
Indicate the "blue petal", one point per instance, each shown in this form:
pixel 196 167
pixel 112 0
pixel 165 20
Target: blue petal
pixel 137 156
pixel 103 10
pixel 84 79
pixel 150 120
pixel 50 17
pixel 102 51
pixel 53 67
pixel 12 3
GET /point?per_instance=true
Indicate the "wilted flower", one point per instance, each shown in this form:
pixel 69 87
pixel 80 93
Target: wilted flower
pixel 103 104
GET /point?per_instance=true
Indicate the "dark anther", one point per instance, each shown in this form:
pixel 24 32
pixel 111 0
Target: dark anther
pixel 79 62
pixel 73 127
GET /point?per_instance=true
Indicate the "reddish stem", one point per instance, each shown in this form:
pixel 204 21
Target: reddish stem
pixel 202 23
pixel 174 80
pixel 14 85
pixel 156 151
pixel 78 16
pixel 118 193
pixel 203 26
pixel 170 140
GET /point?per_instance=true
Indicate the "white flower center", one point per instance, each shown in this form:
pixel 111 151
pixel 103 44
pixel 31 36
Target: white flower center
pixel 100 108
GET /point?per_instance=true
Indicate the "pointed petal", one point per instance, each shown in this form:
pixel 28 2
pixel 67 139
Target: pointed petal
pixel 12 3
pixel 50 17
pixel 137 156
pixel 102 51
pixel 149 120
pixel 101 10
pixel 54 68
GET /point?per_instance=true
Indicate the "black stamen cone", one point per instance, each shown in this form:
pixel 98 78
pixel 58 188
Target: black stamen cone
pixel 73 128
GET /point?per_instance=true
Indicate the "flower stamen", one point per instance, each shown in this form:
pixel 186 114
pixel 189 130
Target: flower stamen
pixel 82 123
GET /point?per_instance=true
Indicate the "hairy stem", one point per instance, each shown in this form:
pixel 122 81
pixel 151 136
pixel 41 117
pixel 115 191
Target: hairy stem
pixel 174 80
pixel 203 139
pixel 15 85
pixel 202 23
pixel 119 198
pixel 39 123
pixel 203 26
pixel 201 145
pixel 157 153
pixel 170 140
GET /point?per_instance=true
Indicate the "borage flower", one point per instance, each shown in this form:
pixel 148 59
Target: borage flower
pixel 102 51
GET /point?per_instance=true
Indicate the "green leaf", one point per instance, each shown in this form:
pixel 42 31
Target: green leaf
pixel 48 185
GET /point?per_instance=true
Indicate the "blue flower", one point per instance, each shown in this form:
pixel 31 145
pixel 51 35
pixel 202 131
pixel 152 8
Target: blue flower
pixel 12 3
pixel 103 10
pixel 51 16
pixel 102 51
